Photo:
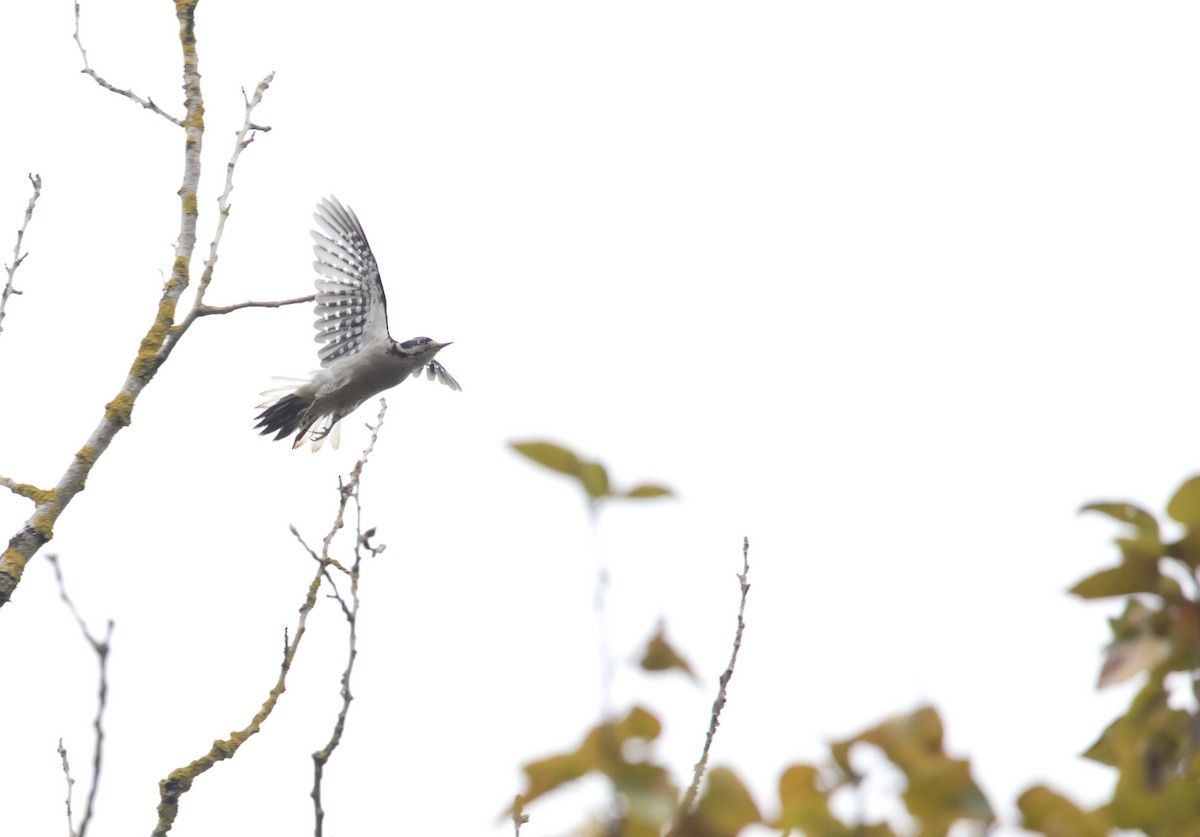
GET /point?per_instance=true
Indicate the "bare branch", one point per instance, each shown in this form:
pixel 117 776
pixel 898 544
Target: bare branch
pixel 209 310
pixel 245 136
pixel 128 94
pixel 18 256
pixel 101 647
pixel 349 610
pixel 62 752
pixel 180 780
pixel 714 721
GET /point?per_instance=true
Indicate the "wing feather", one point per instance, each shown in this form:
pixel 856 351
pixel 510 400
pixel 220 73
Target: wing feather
pixel 351 307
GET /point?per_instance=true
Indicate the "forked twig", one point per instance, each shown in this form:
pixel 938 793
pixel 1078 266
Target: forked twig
pixel 349 610
pixel 101 647
pixel 209 310
pixel 180 780
pixel 128 94
pixel 18 256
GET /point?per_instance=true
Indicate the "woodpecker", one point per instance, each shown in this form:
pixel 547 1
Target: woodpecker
pixel 359 358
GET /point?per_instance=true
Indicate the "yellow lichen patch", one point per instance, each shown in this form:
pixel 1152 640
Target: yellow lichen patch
pixel 14 563
pixel 43 522
pixel 148 352
pixel 32 492
pixel 86 454
pixel 190 205
pixel 120 409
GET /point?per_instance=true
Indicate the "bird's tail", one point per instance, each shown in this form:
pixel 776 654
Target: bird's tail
pixel 286 411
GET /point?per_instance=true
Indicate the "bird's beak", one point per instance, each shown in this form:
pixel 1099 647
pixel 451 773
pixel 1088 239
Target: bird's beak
pixel 444 345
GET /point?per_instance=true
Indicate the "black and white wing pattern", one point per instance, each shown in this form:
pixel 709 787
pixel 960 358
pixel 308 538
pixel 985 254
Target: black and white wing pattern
pixel 351 307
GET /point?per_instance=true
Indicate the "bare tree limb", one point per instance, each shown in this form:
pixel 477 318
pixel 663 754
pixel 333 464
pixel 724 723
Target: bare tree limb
pixel 245 136
pixel 101 647
pixel 18 256
pixel 179 781
pixel 128 94
pixel 689 797
pixel 350 611
pixel 163 335
pixel 208 310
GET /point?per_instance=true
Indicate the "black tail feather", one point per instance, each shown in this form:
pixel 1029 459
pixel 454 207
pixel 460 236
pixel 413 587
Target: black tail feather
pixel 285 417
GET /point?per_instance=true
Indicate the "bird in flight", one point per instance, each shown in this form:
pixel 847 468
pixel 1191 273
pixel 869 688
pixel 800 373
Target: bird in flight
pixel 359 359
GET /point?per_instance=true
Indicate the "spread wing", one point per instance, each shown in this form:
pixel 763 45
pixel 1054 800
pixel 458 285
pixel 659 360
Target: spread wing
pixel 435 370
pixel 351 307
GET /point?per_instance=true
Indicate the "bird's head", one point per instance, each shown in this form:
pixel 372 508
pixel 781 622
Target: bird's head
pixel 422 348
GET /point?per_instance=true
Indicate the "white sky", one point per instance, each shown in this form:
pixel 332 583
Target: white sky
pixel 892 289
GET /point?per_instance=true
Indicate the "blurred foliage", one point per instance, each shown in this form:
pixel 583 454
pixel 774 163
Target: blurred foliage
pixel 591 476
pixel 660 655
pixel 1153 746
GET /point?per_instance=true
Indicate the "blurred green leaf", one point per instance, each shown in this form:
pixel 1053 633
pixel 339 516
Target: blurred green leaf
pixel 1185 505
pixel 1046 812
pixel 804 805
pixel 1119 581
pixel 647 490
pixel 940 789
pixel 639 724
pixel 724 809
pixel 600 750
pixel 594 479
pixel 660 656
pixel 1187 549
pixel 548 455
pixel 546 774
pixel 1141 519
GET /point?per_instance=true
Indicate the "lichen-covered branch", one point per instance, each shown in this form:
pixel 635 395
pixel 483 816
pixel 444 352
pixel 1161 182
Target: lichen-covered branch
pixel 179 781
pixel 18 256
pixel 163 334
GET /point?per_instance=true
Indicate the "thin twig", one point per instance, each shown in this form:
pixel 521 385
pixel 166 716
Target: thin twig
pixel 18 256
pixel 349 610
pixel 180 780
pixel 245 136
pixel 62 751
pixel 128 94
pixel 209 310
pixel 689 798
pixel 101 647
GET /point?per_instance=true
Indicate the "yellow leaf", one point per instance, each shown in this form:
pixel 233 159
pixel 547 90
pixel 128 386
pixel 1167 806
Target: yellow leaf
pixel 548 455
pixel 660 656
pixel 725 807
pixel 594 479
pixel 647 490
pixel 1185 505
